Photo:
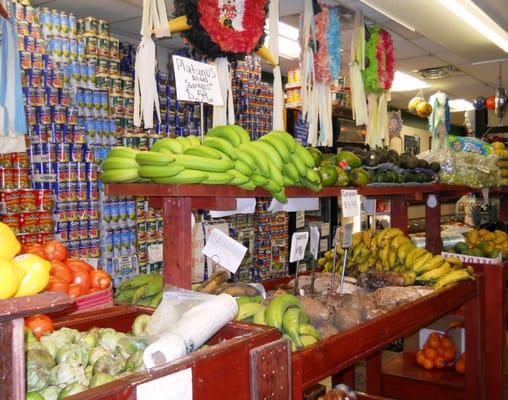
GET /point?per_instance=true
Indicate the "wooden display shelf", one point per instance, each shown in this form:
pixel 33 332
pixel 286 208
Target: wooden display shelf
pixel 342 350
pixel 12 356
pixel 229 355
pixel 403 379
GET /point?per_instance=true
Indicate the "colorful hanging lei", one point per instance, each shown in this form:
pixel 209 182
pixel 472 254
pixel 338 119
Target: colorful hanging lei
pixel 379 53
pixel 227 28
pixel 327 56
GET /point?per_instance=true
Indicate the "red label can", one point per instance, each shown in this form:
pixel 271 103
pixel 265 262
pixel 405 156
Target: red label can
pixel 5 160
pixel 28 222
pixel 9 201
pixel 28 238
pixel 7 178
pixel 12 221
pixel 45 221
pixel 27 200
pixel 21 178
pixel 20 160
pixel 43 199
pixel 44 237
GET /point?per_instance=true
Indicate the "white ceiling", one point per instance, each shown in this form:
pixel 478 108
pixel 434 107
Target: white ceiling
pixel 440 38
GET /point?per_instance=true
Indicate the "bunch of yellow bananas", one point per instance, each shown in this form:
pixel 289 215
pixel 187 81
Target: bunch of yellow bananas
pixel 487 240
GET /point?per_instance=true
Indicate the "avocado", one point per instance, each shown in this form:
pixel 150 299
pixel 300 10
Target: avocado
pixel 476 251
pixel 350 158
pixel 434 166
pixel 460 247
pixel 423 164
pixel 392 157
pixel 373 159
pixel 329 159
pixel 412 162
pixel 358 177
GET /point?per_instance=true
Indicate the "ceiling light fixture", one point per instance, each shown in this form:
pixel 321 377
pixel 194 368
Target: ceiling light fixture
pixel 387 14
pixel 458 105
pixel 403 82
pixel 478 20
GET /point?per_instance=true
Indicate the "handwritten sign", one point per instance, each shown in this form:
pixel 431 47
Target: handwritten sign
pixel 197 81
pixel 154 253
pixel 224 251
pixel 300 219
pixel 301 131
pixel 298 245
pixel 350 203
pixel 314 241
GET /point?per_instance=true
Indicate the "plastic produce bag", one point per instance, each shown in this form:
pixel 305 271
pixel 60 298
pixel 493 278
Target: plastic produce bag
pixel 183 322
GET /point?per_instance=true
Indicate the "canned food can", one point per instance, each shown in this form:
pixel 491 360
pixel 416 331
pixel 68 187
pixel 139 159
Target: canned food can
pixel 102 65
pixel 61 190
pixel 55 22
pixel 64 23
pixel 72 115
pixel 73 248
pixel 102 27
pixel 31 115
pixel 35 30
pixel 6 160
pixel 45 16
pixel 45 221
pixel 19 11
pixel 90 71
pixel 29 44
pixel 44 115
pixel 7 178
pixel 20 160
pixel 43 237
pixel 116 85
pixel 25 58
pixel 65 97
pixel 76 72
pixel 57 132
pixel 35 76
pixel 23 28
pixel 102 46
pixel 91 45
pixel 58 114
pixel 28 221
pixel 73 191
pixel 93 190
pixel 73 25
pixel 65 68
pixel 83 229
pixel 114 67
pixel 57 78
pixel 21 178
pixel 90 26
pixel 61 231
pixel 56 46
pixel 94 248
pixel 10 201
pixel 43 200
pixel 84 243
pixel 114 48
pixel 81 48
pixel 39 96
pixel 12 221
pixel 76 152
pixel 73 48
pixel 125 241
pixel 101 81
pixel 21 42
pixel 93 210
pixel 79 134
pixel 88 98
pixel 83 72
pixel 72 211
pixel 66 47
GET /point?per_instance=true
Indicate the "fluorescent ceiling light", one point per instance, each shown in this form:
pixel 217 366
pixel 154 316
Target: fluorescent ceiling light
pixel 478 20
pixel 289 46
pixel 460 105
pixel 404 82
pixel 387 14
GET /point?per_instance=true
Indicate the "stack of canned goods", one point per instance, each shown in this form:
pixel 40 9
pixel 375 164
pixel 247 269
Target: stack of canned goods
pixel 28 212
pixel 253 98
pixel 149 232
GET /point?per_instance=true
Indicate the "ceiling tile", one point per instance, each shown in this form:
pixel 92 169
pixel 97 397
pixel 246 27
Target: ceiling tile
pixel 405 49
pixel 428 45
pixel 415 63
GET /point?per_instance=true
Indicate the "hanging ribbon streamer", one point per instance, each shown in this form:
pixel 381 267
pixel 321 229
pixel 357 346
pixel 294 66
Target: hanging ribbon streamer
pixel 278 92
pixel 146 97
pixel 373 139
pixel 12 113
pixel 225 114
pixel 439 120
pixel 356 65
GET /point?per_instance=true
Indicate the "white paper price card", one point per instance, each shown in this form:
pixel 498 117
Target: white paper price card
pixel 223 250
pixel 177 386
pixel 323 245
pixel 300 219
pixel 154 253
pixel 314 241
pixel 350 203
pixel 197 81
pixel 298 245
pixel 325 229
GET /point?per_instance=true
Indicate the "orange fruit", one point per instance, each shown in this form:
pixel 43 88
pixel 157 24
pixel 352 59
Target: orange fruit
pixel 433 342
pixel 449 354
pixel 431 354
pixel 447 342
pixel 440 351
pixel 440 362
pixel 428 364
pixel 460 366
pixel 434 335
pixel 420 357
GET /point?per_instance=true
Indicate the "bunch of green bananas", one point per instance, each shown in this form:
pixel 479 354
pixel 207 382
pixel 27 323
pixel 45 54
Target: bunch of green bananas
pixel 285 313
pixel 144 290
pixel 227 156
pixel 390 250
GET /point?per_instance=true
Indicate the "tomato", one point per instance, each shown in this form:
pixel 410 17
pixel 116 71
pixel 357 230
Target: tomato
pixel 57 285
pixel 75 290
pixel 100 279
pixel 37 249
pixel 39 324
pixel 61 271
pixel 74 264
pixel 55 250
pixel 82 279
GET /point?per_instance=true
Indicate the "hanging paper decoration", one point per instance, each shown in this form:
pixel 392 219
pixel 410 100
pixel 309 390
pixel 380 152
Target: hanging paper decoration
pixel 439 120
pixel 379 73
pixel 327 56
pixel 224 28
pixel 356 66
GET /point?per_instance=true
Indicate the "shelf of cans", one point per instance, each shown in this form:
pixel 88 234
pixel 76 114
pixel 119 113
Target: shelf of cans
pixel 28 212
pixel 253 98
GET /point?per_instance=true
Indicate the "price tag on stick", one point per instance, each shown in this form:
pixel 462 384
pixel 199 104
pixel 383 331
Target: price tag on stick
pixel 298 246
pixel 224 251
pixel 314 241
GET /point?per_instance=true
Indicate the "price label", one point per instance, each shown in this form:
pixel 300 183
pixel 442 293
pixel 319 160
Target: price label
pixel 346 238
pixel 350 203
pixel 323 245
pixel 314 241
pixel 325 229
pixel 197 81
pixel 224 251
pixel 298 245
pixel 177 386
pixel 300 219
pixel 154 253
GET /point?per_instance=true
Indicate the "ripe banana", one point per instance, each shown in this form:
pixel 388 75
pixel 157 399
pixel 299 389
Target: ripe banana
pixel 454 261
pixel 420 261
pixel 225 132
pixel 287 138
pixel 416 252
pixel 392 258
pixel 154 158
pixel 124 152
pixel 433 263
pixel 277 307
pixel 148 171
pixel 248 310
pixel 279 146
pixel 120 175
pixel 239 289
pixel 170 144
pixel 200 164
pixel 221 145
pixel 403 251
pixel 435 273
pixel 291 324
pixel 387 234
pixel 452 277
pixel 399 241
pixel 186 176
pixel 206 152
pixel 119 163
